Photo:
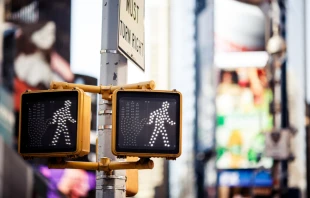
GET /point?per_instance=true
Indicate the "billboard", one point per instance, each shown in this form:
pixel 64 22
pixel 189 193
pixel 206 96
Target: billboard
pixel 41 49
pixel 37 50
pixel 243 95
pixel 242 104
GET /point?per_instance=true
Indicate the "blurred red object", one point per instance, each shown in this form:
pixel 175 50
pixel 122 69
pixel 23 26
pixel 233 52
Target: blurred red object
pixel 61 66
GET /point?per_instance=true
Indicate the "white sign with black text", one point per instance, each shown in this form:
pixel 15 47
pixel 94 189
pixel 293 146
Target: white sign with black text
pixel 131 30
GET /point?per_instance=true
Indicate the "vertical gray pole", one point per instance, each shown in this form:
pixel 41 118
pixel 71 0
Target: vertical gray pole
pixel 108 186
pixel 1 34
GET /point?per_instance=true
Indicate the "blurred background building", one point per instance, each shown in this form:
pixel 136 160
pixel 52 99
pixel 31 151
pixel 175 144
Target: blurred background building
pixel 213 51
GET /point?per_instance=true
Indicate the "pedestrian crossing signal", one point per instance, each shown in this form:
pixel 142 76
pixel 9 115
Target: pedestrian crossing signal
pixel 54 123
pixel 147 123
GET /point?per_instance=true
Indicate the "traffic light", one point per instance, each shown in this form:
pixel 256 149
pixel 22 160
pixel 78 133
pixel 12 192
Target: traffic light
pixel 147 123
pixel 54 123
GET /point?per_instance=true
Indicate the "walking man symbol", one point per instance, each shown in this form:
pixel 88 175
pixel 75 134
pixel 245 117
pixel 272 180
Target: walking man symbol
pixel 60 117
pixel 160 116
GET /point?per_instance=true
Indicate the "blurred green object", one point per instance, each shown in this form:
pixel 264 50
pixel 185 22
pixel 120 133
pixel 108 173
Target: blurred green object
pixel 220 120
pixel 252 156
pixel 220 151
pixel 257 147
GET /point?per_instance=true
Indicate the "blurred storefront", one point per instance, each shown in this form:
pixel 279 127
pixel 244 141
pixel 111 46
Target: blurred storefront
pixel 243 98
pixel 232 77
pixel 37 42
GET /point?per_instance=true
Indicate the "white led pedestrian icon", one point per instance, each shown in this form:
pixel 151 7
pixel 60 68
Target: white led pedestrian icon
pixel 60 117
pixel 160 116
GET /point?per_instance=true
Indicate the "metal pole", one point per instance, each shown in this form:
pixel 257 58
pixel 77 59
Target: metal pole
pixel 108 186
pixel 284 101
pixel 306 98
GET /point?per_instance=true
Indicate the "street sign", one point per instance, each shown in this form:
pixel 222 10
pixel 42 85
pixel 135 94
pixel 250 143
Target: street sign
pixel 147 123
pixel 131 31
pixel 54 123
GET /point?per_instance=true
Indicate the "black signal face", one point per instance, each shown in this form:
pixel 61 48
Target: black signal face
pixel 49 122
pixel 147 122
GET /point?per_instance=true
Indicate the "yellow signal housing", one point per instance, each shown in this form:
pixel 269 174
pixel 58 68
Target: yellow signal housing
pixel 132 185
pixel 147 123
pixel 54 123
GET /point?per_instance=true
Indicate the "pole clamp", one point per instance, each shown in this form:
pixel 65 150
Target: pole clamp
pixel 120 187
pixel 112 177
pixel 105 112
pixel 108 51
pixel 103 127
